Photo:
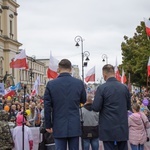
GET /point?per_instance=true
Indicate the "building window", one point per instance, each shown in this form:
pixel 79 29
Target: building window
pixel 1 67
pixel 1 25
pixel 11 29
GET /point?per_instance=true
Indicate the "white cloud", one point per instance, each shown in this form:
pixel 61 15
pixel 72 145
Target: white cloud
pixel 53 24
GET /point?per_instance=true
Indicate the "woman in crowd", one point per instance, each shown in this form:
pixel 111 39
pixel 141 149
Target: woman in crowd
pixel 138 123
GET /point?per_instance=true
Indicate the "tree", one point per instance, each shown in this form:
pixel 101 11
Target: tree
pixel 135 54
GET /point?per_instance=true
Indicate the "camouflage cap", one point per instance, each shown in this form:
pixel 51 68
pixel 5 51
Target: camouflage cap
pixel 3 115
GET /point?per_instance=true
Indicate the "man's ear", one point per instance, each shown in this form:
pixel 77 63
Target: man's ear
pixel 58 70
pixel 71 70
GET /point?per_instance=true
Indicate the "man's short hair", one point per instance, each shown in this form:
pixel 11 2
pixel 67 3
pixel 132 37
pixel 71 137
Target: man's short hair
pixel 108 68
pixel 65 64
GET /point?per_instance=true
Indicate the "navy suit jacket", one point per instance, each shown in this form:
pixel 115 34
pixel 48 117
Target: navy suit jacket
pixel 64 95
pixel 112 100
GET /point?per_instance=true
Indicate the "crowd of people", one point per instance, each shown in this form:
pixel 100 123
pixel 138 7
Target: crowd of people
pixel 113 115
pixel 15 108
pixel 33 108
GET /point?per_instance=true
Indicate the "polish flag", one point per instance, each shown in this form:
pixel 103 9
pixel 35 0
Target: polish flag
pixel 90 76
pixel 148 68
pixel 52 70
pixel 117 73
pixel 33 93
pixel 9 92
pixel 147 25
pixel 123 77
pixel 20 61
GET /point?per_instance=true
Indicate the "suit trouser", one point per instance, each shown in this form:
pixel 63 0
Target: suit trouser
pixel 110 145
pixel 61 143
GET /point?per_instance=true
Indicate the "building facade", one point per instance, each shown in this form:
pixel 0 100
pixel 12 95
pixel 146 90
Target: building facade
pixel 9 47
pixel 9 44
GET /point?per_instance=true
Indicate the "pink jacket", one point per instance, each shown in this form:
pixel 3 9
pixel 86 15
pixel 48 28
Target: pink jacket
pixel 137 132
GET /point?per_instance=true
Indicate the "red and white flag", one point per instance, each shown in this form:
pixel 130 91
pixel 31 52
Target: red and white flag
pixel 20 61
pixel 148 68
pixel 90 76
pixel 117 73
pixel 123 77
pixel 9 92
pixel 52 69
pixel 147 25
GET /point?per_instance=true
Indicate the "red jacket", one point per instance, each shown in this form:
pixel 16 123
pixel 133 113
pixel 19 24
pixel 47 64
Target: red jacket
pixel 137 124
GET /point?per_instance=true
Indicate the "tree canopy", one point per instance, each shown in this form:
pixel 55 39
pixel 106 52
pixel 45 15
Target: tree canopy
pixel 135 55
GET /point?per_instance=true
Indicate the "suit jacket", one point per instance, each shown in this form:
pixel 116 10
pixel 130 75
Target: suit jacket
pixel 64 96
pixel 112 100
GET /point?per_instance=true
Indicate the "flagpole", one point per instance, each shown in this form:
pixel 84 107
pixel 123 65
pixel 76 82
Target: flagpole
pixel 129 82
pixel 20 75
pixel 23 123
pixel 147 84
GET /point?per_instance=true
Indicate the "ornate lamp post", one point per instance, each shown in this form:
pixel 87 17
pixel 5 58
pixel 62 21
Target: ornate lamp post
pixel 83 54
pixel 31 73
pixel 86 54
pixel 105 58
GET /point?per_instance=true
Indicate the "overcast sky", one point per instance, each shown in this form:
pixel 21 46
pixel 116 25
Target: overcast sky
pixel 52 25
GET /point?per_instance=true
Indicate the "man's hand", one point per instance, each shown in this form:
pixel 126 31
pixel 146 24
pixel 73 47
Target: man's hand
pixel 49 130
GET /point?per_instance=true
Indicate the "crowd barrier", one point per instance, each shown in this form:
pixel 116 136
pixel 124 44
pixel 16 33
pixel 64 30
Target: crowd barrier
pixel 36 140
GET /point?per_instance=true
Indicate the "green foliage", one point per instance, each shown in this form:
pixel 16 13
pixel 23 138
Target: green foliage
pixel 135 54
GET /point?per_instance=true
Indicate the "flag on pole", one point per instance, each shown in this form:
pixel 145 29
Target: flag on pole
pixel 148 68
pixel 9 92
pixel 123 77
pixel 16 87
pixel 147 26
pixel 20 61
pixel 52 69
pixel 36 85
pixel 90 76
pixel 117 73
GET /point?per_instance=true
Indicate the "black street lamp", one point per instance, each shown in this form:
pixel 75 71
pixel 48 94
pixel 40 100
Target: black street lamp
pixel 86 54
pixel 31 73
pixel 83 54
pixel 105 58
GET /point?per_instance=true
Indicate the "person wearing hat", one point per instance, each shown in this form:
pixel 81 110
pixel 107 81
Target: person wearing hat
pixel 9 98
pixel 17 135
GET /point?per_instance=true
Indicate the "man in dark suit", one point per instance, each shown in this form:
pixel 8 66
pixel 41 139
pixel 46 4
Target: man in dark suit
pixel 64 95
pixel 112 100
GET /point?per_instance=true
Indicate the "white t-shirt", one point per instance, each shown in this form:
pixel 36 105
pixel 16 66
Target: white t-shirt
pixel 17 137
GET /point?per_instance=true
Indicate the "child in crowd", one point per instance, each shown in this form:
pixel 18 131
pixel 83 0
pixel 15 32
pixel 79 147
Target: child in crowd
pixel 138 123
pixel 17 135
